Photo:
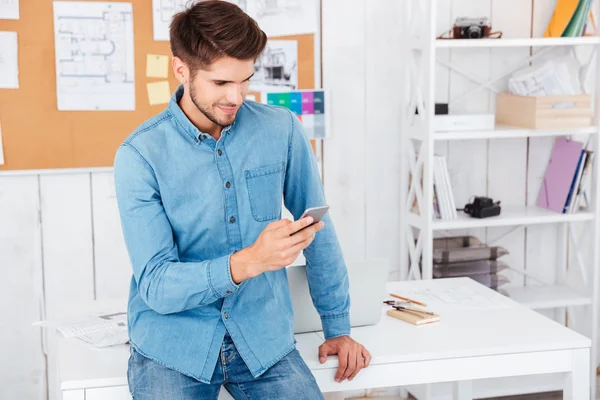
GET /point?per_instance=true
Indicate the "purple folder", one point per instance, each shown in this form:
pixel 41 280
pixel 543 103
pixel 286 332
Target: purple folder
pixel 559 174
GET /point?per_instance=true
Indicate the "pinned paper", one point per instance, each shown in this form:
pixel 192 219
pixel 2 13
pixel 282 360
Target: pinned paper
pixel 158 92
pixel 9 66
pixel 1 148
pixel 9 9
pixel 157 66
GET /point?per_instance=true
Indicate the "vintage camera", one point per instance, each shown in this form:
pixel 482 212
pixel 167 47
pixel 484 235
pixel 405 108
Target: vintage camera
pixel 471 28
pixel 483 207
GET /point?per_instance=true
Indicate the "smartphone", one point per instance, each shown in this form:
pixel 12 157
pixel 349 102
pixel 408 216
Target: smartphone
pixel 316 213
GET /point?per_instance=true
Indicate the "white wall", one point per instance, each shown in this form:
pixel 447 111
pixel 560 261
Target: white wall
pixel 60 237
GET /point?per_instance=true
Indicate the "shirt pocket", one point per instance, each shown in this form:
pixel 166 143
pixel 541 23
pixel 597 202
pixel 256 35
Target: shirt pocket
pixel 265 191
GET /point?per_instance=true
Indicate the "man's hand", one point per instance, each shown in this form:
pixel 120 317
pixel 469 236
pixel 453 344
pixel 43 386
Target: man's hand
pixel 274 248
pixel 352 356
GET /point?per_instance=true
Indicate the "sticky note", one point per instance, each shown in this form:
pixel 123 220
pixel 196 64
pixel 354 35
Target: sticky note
pixel 157 66
pixel 158 92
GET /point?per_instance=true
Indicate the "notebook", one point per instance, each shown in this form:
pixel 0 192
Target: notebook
pixel 558 178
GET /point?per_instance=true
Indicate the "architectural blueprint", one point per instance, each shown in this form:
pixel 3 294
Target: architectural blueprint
pixel 162 12
pixel 94 55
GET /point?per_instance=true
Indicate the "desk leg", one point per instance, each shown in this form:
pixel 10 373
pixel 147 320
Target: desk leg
pixel 577 382
pixel 462 390
pixel 428 392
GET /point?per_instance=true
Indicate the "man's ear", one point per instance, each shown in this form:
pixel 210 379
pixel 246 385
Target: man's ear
pixel 181 70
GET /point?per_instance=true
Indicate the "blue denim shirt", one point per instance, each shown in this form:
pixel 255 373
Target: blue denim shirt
pixel 187 202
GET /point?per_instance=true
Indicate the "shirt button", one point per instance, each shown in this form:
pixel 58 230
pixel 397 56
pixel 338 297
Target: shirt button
pixel 225 315
pixel 232 220
pixel 202 137
pixel 219 152
pixel 228 185
pixel 229 292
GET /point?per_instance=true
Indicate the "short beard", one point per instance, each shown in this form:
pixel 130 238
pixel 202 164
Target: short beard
pixel 211 117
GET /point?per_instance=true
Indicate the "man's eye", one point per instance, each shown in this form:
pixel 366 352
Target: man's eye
pixel 220 83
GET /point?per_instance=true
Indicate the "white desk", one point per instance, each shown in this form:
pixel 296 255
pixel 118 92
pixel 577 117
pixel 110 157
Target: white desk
pixel 481 334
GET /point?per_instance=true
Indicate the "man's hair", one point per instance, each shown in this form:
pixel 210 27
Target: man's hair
pixel 209 30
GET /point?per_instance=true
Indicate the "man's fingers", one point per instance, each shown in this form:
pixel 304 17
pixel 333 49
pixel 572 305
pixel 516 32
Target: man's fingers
pixel 323 354
pixel 297 225
pixel 367 356
pixel 277 224
pixel 298 247
pixel 360 364
pixel 343 364
pixel 351 364
pixel 306 232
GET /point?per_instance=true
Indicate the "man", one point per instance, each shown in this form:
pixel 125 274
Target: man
pixel 200 189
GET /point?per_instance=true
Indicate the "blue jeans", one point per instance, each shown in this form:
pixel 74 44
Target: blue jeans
pixel 290 379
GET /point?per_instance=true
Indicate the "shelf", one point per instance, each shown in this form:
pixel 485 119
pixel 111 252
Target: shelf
pixel 511 216
pixel 507 132
pixel 525 42
pixel 541 297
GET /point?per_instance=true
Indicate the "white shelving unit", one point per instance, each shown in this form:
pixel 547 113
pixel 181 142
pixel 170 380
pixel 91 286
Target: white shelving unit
pixel 418 142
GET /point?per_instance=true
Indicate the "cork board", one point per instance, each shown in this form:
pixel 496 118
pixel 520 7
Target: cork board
pixel 36 135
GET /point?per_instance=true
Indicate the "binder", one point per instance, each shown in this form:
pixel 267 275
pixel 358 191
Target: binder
pixel 558 178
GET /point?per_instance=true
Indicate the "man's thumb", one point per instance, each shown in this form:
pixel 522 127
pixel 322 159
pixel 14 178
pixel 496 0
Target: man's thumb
pixel 322 354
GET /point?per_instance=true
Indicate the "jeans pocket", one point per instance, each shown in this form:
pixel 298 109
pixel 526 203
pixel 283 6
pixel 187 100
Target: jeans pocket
pixel 135 357
pixel 265 191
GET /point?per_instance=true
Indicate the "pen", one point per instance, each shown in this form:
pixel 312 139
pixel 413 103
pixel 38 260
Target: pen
pixel 414 310
pixel 409 300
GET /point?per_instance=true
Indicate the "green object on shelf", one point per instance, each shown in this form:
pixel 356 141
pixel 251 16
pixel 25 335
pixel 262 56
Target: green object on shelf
pixel 578 20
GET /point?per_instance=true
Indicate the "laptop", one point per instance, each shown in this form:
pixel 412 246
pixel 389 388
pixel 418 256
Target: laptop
pixel 367 293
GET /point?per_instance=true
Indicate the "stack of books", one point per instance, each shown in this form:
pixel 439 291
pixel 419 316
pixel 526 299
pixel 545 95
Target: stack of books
pixel 566 177
pixel 444 206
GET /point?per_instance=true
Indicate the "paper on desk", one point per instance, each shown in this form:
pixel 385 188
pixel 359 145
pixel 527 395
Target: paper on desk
pixel 157 66
pixel 458 298
pixel 99 330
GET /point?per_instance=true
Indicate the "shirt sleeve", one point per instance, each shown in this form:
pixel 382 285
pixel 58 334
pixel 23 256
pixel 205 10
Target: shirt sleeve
pixel 325 267
pixel 166 284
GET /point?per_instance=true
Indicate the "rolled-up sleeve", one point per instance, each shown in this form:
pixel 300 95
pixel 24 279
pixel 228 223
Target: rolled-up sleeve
pixel 165 283
pixel 325 266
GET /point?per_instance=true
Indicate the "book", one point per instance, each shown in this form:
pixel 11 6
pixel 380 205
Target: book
pixel 449 190
pixel 583 182
pixel 570 198
pixel 444 196
pixel 559 174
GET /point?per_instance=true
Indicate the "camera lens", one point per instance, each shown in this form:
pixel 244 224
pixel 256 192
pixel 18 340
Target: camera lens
pixel 474 32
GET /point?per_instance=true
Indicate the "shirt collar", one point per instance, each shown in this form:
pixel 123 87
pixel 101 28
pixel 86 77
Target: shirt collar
pixel 183 120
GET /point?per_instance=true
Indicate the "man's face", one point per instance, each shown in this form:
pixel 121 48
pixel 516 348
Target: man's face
pixel 220 91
